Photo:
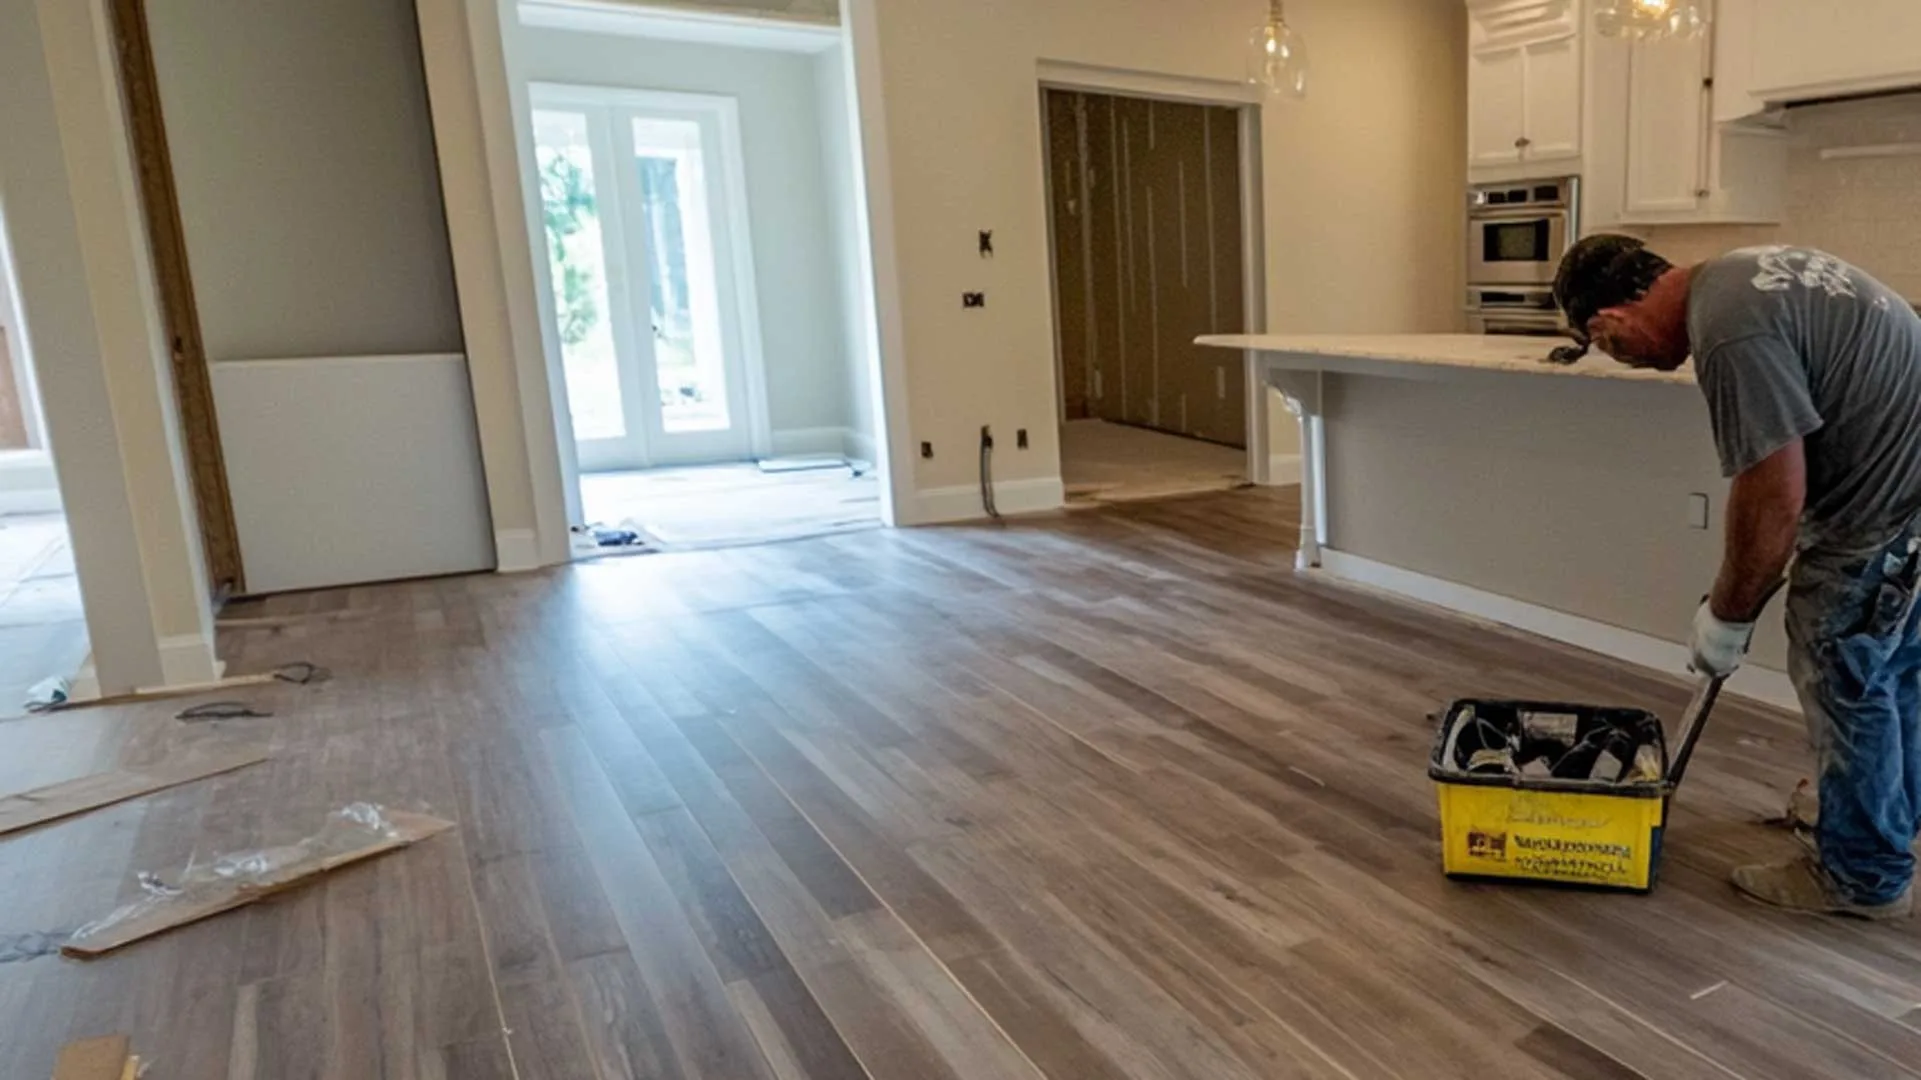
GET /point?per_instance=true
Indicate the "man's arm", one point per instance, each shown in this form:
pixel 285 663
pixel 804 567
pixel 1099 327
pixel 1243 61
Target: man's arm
pixel 1764 515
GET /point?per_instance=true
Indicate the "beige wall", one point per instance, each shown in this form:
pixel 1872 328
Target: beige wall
pixel 1361 199
pixel 1862 210
pixel 304 158
pixel 1362 184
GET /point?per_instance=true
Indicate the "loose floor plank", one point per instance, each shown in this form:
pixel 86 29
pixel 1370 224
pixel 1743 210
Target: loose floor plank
pixel 55 802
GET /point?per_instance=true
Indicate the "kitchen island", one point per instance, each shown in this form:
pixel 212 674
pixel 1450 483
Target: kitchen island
pixel 1581 502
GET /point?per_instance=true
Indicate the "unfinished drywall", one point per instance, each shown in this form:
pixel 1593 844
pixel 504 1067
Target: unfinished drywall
pixel 1861 209
pixel 304 159
pixel 1567 493
pixel 797 275
pixel 1362 187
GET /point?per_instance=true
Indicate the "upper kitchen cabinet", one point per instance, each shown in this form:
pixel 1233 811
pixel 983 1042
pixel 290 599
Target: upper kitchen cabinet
pixel 1659 153
pixel 1524 87
pixel 1682 166
pixel 1798 50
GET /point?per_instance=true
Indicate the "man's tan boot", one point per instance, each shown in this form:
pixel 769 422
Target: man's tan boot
pixel 1803 885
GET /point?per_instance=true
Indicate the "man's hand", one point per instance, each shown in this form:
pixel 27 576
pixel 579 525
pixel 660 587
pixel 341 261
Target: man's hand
pixel 1717 647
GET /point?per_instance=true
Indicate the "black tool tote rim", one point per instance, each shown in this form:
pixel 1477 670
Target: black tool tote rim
pixel 1438 771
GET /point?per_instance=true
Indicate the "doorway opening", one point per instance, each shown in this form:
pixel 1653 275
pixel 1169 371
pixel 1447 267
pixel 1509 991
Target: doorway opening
pixel 43 628
pixel 1148 205
pixel 692 206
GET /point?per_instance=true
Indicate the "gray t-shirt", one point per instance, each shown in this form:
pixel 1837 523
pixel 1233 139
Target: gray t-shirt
pixel 1794 343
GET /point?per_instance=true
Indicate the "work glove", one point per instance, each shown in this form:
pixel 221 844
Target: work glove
pixel 1717 647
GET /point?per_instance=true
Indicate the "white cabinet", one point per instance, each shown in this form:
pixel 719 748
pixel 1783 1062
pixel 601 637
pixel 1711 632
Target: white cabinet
pixel 1553 99
pixel 1667 127
pixel 1659 155
pixel 1497 115
pixel 1802 49
pixel 1524 86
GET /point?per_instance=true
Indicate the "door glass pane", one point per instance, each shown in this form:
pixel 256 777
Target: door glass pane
pixel 689 356
pixel 578 260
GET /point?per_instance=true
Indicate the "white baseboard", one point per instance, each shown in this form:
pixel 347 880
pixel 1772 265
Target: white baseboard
pixel 27 483
pixel 516 551
pixel 1284 470
pixel 42 501
pixel 797 442
pixel 188 660
pixel 860 447
pixel 939 506
pixel 1757 683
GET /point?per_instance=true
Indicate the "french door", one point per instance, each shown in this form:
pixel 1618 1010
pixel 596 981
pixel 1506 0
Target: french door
pixel 642 205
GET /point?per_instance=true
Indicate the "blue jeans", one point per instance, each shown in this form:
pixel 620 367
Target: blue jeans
pixel 1854 634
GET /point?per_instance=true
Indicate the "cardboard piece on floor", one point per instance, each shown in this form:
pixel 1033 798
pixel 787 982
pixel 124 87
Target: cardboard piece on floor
pixel 68 798
pixel 203 900
pixel 108 1057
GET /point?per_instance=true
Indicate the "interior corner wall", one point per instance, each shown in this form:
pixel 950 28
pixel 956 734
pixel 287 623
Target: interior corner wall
pixel 797 269
pixel 1361 201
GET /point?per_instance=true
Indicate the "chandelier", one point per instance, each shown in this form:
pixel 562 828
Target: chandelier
pixel 1651 20
pixel 1276 59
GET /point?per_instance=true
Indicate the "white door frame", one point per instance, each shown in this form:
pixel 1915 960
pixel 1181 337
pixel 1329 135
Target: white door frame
pixel 738 289
pixel 525 441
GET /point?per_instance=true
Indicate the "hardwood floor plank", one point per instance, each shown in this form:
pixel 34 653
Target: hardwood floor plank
pixel 729 928
pixel 623 1021
pixel 709 1038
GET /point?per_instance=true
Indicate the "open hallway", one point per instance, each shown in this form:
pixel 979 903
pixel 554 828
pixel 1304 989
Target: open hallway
pixel 1104 794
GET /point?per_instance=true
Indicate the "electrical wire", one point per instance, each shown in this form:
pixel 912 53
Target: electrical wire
pixel 987 476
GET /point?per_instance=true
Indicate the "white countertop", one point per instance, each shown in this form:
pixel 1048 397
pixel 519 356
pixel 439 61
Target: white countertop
pixel 1479 352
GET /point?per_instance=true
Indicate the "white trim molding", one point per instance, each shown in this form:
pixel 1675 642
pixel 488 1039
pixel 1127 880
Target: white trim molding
pixel 1283 470
pixel 27 483
pixel 1757 683
pixel 795 442
pixel 859 446
pixel 674 22
pixel 942 506
pixel 188 660
pixel 1068 75
pixel 516 551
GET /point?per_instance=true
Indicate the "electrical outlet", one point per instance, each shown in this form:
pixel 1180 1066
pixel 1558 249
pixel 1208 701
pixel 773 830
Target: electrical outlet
pixel 927 450
pixel 1697 511
pixel 987 437
pixel 974 300
pixel 1020 439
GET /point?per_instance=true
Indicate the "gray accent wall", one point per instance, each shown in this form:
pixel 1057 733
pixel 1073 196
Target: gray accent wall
pixel 1566 493
pixel 304 157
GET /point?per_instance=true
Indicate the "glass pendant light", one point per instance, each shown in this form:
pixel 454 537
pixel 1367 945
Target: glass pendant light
pixel 1651 20
pixel 1275 57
